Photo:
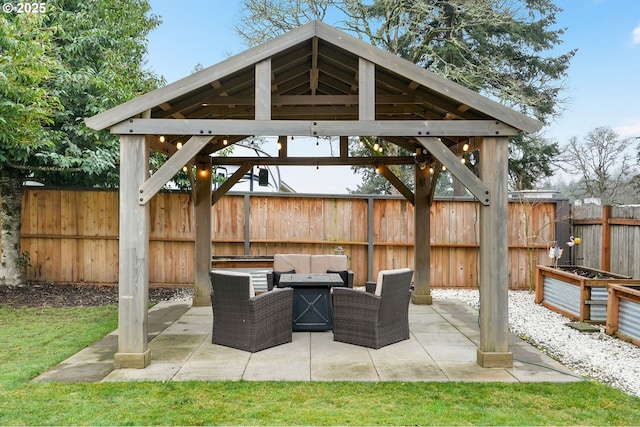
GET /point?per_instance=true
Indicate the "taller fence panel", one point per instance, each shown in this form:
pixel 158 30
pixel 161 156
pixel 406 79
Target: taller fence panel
pixel 610 238
pixel 587 223
pixel 625 240
pixel 72 235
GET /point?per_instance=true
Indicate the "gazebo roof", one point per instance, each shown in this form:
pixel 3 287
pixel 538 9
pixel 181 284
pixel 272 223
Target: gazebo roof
pixel 314 75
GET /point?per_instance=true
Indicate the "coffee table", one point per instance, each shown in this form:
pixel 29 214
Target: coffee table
pixel 311 299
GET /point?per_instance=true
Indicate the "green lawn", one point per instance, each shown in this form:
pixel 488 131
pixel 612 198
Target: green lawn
pixel 33 340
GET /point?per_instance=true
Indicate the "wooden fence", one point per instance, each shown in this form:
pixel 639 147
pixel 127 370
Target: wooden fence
pixel 610 238
pixel 72 235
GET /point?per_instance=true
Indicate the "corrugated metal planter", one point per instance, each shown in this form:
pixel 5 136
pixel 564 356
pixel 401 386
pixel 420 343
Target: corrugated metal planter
pixel 574 295
pixel 623 313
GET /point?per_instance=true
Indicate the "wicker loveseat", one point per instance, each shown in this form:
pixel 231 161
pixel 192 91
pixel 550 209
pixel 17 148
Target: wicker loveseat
pixel 309 264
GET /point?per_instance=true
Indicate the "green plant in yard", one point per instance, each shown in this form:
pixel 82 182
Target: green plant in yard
pixel 34 340
pixel 24 261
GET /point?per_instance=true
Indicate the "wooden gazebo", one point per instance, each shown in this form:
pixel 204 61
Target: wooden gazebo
pixel 313 81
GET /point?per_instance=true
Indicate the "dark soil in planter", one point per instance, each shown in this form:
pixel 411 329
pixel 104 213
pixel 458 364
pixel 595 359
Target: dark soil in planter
pixel 586 272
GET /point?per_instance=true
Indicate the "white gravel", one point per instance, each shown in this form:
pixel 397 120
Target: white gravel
pixel 592 355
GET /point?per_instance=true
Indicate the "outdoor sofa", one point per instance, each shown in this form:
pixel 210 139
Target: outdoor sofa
pixel 309 264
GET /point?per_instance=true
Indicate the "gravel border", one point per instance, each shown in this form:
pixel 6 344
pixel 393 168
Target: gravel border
pixel 593 355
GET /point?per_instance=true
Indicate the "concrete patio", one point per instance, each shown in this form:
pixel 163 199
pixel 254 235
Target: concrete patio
pixel 442 347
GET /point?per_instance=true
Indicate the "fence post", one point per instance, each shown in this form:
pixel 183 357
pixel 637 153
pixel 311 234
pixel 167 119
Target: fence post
pixel 563 228
pixel 605 258
pixel 247 224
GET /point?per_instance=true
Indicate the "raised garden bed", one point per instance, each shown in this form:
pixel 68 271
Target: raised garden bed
pixel 623 313
pixel 577 292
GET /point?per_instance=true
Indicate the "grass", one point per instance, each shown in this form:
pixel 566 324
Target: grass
pixel 33 340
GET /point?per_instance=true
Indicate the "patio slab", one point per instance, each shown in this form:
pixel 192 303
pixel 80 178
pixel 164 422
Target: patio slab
pixel 442 347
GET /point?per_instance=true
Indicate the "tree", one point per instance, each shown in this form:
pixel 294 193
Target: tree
pixel 601 162
pixel 25 107
pixel 83 57
pixel 500 48
pixel 530 160
pixel 101 46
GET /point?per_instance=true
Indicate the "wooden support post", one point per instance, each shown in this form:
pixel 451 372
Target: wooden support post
pixel 344 147
pixel 282 151
pixel 422 246
pixel 605 261
pixel 263 90
pixel 366 90
pixel 133 351
pixel 494 275
pixel 370 238
pixel 202 208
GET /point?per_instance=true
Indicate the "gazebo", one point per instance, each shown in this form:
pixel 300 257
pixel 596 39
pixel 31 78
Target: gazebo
pixel 313 81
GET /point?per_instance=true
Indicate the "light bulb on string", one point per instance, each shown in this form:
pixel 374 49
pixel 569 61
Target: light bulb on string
pixel 162 138
pixel 465 147
pixel 293 140
pixel 179 145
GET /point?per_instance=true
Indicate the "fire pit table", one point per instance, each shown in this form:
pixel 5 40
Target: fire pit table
pixel 311 299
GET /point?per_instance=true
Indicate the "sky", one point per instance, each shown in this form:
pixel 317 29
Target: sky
pixel 602 87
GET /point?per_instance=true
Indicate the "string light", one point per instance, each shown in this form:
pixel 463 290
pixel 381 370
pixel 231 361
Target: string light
pixel 444 168
pixel 161 138
pixel 376 146
pixel 203 171
pixel 184 169
pixel 179 145
pixel 279 145
pixel 225 141
pixel 317 143
pixel 465 147
pixel 293 140
pixel 463 160
pixel 361 142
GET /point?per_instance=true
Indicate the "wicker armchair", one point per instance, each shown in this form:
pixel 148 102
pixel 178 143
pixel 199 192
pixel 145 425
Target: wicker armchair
pixel 371 320
pixel 247 322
